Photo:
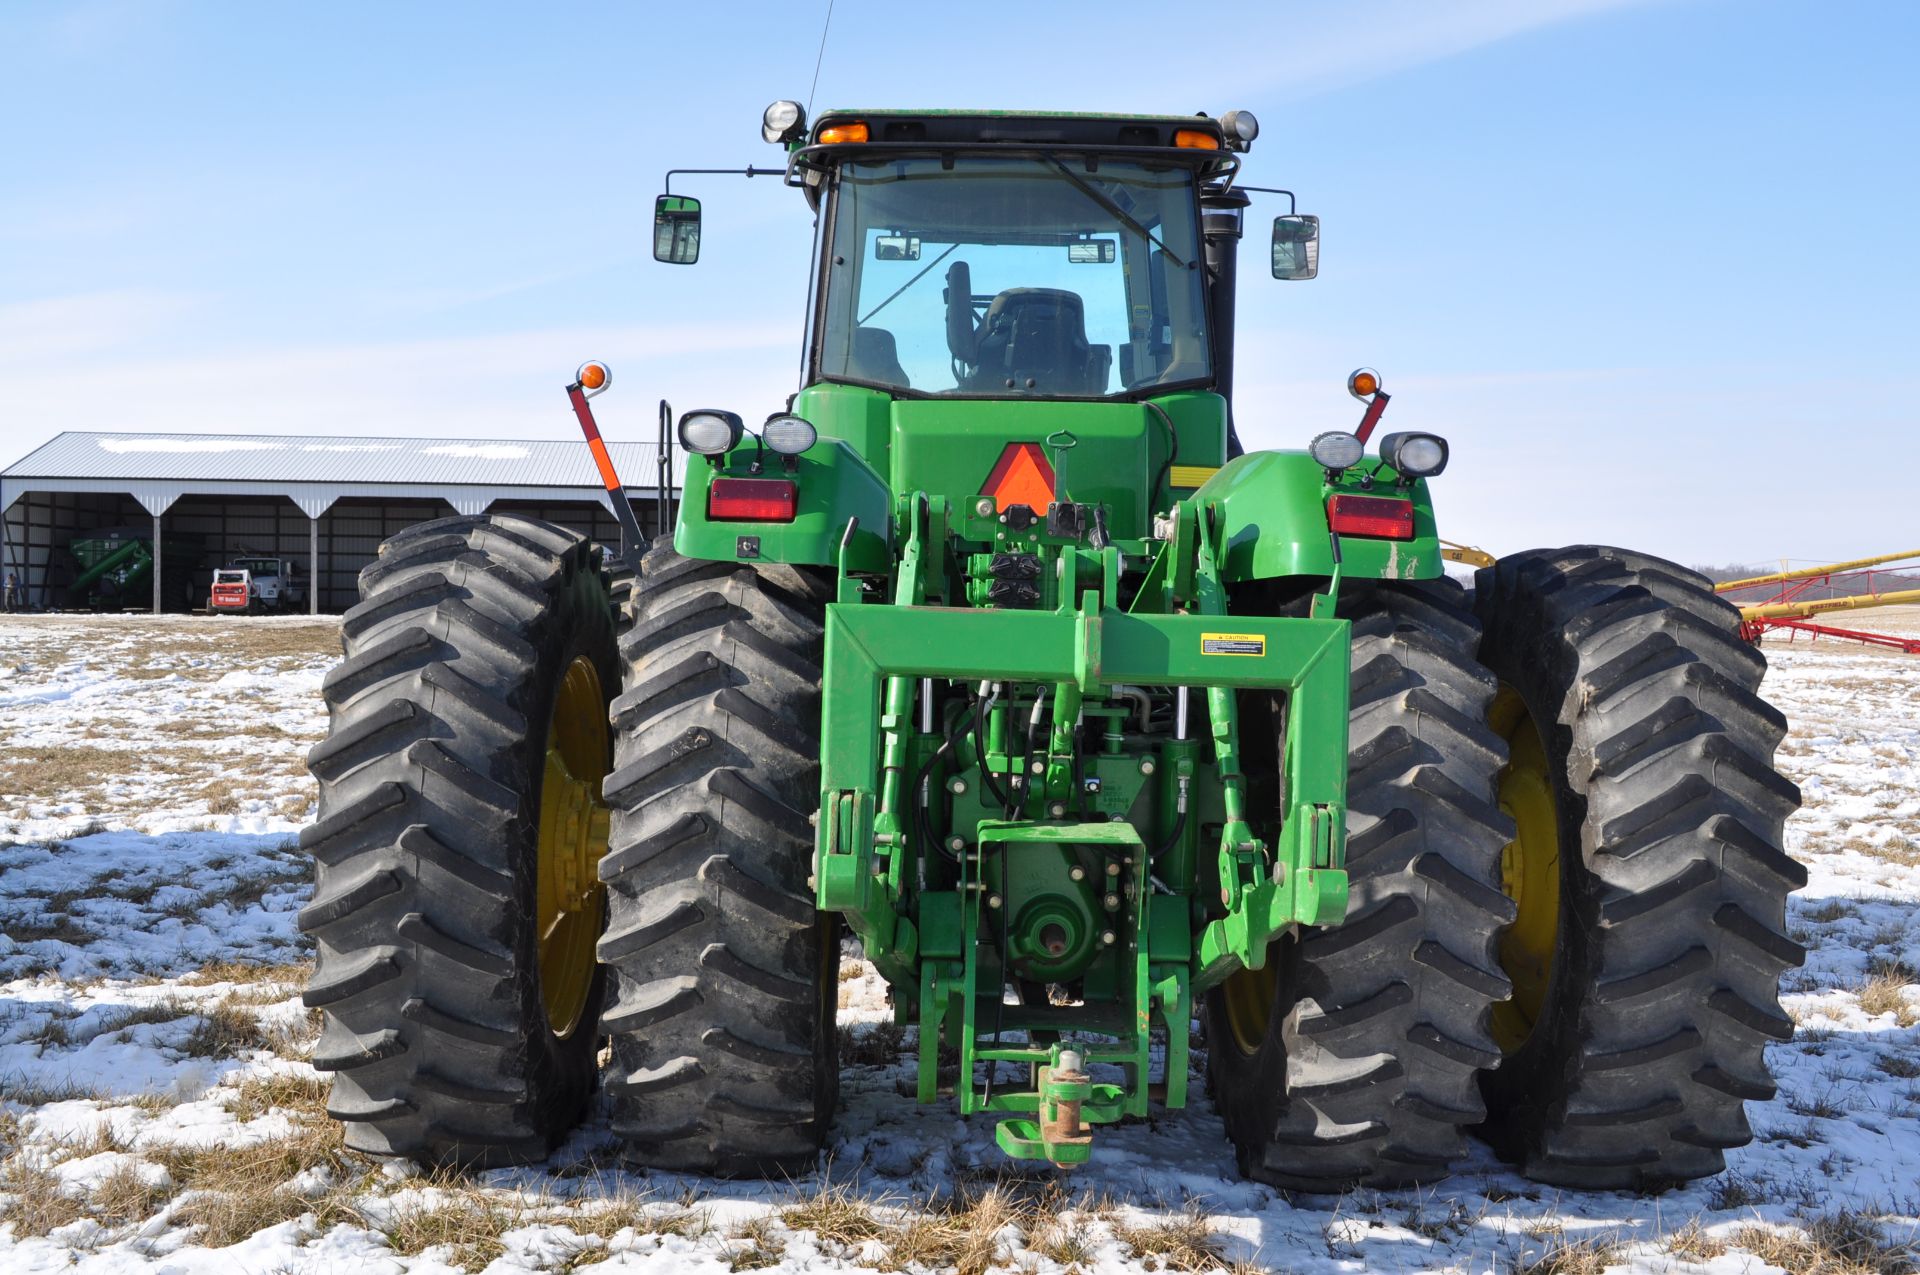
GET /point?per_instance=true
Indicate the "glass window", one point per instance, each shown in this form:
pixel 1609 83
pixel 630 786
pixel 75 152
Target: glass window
pixel 1015 275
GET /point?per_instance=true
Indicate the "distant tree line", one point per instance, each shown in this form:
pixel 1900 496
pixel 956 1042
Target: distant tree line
pixel 1881 582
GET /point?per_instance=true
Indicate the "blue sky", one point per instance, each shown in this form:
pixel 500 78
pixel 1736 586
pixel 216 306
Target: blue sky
pixel 1648 265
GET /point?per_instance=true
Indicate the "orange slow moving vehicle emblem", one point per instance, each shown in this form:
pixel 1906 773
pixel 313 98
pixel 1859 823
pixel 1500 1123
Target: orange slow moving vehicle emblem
pixel 1021 476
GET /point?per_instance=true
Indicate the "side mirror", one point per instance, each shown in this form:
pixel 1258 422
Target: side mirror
pixel 1296 246
pixel 676 230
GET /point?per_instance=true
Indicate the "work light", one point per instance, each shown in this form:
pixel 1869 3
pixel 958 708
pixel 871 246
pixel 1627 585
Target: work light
pixel 709 432
pixel 1415 455
pixel 1240 127
pixel 788 435
pixel 783 121
pixel 1337 449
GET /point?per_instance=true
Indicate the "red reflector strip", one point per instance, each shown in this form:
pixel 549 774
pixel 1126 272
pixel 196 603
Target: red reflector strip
pixel 753 499
pixel 1376 516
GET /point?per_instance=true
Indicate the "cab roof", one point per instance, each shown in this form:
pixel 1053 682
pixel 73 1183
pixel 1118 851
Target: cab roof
pixel 1015 128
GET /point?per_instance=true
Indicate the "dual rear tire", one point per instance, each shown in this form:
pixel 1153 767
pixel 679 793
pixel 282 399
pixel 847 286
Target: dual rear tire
pixel 1568 911
pixel 516 862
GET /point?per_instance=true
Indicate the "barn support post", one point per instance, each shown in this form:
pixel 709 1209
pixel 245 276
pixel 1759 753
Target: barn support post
pixel 156 564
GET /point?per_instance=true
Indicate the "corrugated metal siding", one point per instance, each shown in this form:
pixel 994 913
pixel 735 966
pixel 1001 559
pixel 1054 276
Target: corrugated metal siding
pixel 413 462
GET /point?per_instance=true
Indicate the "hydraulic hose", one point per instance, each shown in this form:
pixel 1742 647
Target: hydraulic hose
pixel 980 711
pixel 923 813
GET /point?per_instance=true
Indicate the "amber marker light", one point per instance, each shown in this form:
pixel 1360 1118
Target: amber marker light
pixel 593 376
pixel 842 134
pixel 1195 139
pixel 1363 383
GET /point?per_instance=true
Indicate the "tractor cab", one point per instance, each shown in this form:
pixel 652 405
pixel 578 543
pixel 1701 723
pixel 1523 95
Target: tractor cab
pixel 995 290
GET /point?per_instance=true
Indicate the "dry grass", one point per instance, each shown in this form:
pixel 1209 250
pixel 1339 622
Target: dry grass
pixel 1883 991
pixel 29 773
pixel 301 1096
pixel 757 1245
pixel 1577 1257
pixel 1692 1243
pixel 874 1045
pixel 225 796
pixel 1838 1244
pixel 227 1030
pixel 237 1191
pixel 124 1196
pixel 38 1202
pixel 835 1214
pixel 1830 910
pixel 294 974
pixel 460 1220
pixel 1183 1243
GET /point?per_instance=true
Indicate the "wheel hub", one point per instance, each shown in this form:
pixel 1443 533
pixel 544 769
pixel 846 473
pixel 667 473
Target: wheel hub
pixel 570 901
pixel 1529 871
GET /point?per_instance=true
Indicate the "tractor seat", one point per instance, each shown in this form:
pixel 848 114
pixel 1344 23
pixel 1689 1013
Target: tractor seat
pixel 1039 334
pixel 876 357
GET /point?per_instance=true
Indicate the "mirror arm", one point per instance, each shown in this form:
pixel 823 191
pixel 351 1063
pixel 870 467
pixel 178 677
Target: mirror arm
pixel 748 171
pixel 1293 206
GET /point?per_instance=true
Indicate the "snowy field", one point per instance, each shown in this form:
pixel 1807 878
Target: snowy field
pixel 159 1113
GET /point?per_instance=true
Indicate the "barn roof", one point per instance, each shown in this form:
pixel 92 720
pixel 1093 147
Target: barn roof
pixel 315 471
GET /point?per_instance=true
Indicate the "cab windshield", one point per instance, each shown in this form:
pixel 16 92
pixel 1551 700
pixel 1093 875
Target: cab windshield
pixel 1014 276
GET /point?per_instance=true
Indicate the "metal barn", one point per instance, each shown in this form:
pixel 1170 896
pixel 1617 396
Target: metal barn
pixel 326 503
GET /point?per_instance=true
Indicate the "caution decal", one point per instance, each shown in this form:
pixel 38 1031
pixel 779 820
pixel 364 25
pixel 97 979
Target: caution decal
pixel 1232 644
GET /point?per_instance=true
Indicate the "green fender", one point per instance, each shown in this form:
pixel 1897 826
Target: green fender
pixel 1270 512
pixel 835 486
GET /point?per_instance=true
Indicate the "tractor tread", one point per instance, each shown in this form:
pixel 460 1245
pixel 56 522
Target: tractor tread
pixel 724 1051
pixel 1368 1079
pixel 1664 995
pixel 434 1030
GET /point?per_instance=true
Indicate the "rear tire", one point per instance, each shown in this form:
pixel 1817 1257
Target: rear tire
pixel 1362 1071
pixel 1672 882
pixel 428 841
pixel 725 1058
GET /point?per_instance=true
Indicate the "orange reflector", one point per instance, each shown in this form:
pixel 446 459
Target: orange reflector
pixel 593 375
pixel 1378 517
pixel 752 500
pixel 841 134
pixel 1194 139
pixel 1021 476
pixel 1363 384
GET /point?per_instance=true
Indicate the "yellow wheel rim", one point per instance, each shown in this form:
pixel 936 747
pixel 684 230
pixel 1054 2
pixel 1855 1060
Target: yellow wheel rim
pixel 570 902
pixel 1529 871
pixel 1249 997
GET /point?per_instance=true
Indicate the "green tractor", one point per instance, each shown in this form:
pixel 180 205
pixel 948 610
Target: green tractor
pixel 995 649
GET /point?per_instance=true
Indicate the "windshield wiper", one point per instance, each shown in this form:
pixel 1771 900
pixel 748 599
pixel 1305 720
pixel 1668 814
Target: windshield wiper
pixel 1126 218
pixel 861 322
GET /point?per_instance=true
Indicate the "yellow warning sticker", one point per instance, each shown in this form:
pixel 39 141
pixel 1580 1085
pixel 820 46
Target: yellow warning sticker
pixel 1232 644
pixel 1190 476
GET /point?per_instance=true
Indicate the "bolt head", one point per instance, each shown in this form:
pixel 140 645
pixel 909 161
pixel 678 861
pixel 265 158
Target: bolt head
pixel 956 843
pixel 1057 809
pixel 1077 873
pixel 1108 938
pixel 956 786
pixel 993 901
pixel 1146 765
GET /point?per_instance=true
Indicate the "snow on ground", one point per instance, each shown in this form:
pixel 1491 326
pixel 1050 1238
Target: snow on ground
pixel 157 1111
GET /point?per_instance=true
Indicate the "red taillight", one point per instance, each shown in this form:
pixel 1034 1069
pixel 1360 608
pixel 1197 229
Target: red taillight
pixel 753 500
pixel 1377 516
